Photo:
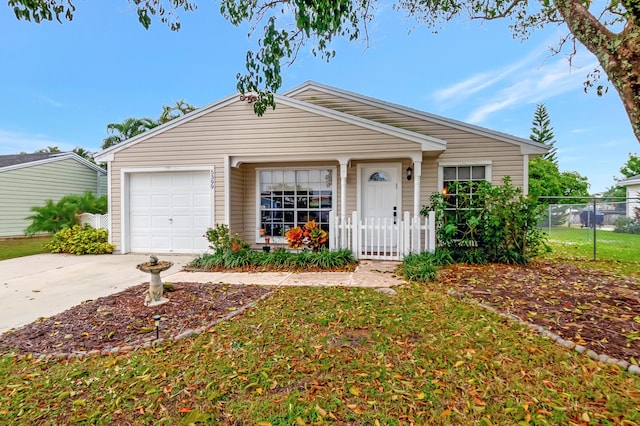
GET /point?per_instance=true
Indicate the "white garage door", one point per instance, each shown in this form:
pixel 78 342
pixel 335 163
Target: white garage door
pixel 169 212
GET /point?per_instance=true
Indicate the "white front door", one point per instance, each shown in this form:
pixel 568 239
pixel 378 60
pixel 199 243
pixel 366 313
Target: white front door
pixel 381 189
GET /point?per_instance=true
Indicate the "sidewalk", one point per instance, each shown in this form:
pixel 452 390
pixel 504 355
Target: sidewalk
pixel 369 273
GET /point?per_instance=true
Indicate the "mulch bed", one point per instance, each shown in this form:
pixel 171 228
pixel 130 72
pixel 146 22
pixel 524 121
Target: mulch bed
pixel 593 308
pixel 122 319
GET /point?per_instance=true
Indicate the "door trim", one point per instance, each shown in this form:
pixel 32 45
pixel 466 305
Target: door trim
pixel 125 175
pixel 360 181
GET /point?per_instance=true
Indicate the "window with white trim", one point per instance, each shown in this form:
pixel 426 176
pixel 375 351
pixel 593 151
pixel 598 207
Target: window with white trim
pixel 472 175
pixel 290 198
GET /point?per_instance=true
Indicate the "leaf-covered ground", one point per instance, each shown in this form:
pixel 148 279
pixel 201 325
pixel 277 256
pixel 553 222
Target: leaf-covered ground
pixel 339 356
pixel 593 308
pixel 122 319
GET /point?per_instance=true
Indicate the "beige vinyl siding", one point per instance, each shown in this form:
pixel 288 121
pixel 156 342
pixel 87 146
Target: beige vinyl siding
pixel 23 188
pixel 236 131
pixel 462 146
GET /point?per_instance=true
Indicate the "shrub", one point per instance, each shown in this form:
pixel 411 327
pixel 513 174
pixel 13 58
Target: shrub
pixel 220 240
pixel 626 225
pixel 54 216
pixel 79 240
pixel 421 267
pixel 277 260
pixel 311 236
pixel 484 223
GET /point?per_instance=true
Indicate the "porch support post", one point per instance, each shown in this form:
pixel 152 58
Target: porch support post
pixel 525 176
pixel 227 190
pixel 343 188
pixel 417 173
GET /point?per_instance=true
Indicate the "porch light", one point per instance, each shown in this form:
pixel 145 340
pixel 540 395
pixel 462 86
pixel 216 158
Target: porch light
pixel 409 173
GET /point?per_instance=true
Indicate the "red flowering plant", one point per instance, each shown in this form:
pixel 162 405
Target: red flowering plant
pixel 312 236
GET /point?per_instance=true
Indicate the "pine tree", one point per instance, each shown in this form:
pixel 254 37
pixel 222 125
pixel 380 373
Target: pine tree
pixel 542 132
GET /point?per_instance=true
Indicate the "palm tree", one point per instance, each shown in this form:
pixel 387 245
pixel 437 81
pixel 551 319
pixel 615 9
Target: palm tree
pixel 172 112
pixel 127 129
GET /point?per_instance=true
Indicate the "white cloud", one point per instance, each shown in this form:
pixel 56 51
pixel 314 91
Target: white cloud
pixel 533 85
pixel 478 82
pixel 530 79
pixel 15 142
pixel 49 101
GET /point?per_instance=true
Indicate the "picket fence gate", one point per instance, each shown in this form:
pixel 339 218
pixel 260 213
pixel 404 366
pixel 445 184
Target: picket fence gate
pixel 382 238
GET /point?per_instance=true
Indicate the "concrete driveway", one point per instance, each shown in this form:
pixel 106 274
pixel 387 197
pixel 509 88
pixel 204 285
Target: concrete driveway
pixel 46 284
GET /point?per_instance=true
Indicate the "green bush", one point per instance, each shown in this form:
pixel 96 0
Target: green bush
pixel 221 241
pixel 279 259
pixel 79 240
pixel 54 216
pixel 484 223
pixel 421 267
pixel 625 225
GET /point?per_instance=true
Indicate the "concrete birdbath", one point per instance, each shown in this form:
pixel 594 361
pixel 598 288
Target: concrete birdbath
pixel 153 296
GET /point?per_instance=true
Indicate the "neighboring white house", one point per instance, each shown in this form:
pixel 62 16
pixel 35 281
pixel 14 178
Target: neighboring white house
pixel 321 150
pixel 633 194
pixel 28 180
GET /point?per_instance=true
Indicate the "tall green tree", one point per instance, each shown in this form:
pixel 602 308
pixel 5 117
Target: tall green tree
pixel 629 169
pixel 546 180
pixel 542 132
pixel 609 29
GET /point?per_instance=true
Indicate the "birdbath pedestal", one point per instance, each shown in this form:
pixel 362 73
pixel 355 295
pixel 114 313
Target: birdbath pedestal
pixel 153 296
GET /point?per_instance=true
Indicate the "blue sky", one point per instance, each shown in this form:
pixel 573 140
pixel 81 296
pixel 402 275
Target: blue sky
pixel 61 84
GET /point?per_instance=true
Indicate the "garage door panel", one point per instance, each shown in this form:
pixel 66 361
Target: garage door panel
pixel 201 200
pixel 169 212
pixel 184 222
pixel 140 201
pixel 162 201
pixel 201 222
pixel 140 221
pixel 181 200
pixel 161 243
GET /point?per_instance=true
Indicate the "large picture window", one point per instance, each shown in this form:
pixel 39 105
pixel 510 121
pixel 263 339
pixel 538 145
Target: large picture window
pixel 290 198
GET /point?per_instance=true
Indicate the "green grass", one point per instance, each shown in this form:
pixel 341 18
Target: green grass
pixel 332 355
pixel 614 251
pixel 18 247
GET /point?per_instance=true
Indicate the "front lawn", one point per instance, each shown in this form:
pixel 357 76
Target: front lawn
pixel 333 355
pixel 18 247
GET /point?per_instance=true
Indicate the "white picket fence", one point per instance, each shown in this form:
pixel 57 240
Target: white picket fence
pixel 98 221
pixel 381 238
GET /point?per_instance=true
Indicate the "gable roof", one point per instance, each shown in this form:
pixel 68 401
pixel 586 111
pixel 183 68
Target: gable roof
pixel 633 180
pixel 427 143
pixel 527 146
pixel 19 161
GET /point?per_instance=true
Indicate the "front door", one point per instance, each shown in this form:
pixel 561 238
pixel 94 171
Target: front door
pixel 380 206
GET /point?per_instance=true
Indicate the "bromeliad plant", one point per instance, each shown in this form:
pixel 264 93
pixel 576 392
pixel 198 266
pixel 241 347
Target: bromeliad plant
pixel 311 236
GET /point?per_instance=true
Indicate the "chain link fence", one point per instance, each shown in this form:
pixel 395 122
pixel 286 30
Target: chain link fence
pixel 596 227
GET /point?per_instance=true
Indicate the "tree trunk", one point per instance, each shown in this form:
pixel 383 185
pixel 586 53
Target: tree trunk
pixel 617 53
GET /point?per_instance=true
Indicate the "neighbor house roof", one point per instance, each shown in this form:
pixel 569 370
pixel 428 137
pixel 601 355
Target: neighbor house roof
pixel 528 146
pixel 18 161
pixel 633 180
